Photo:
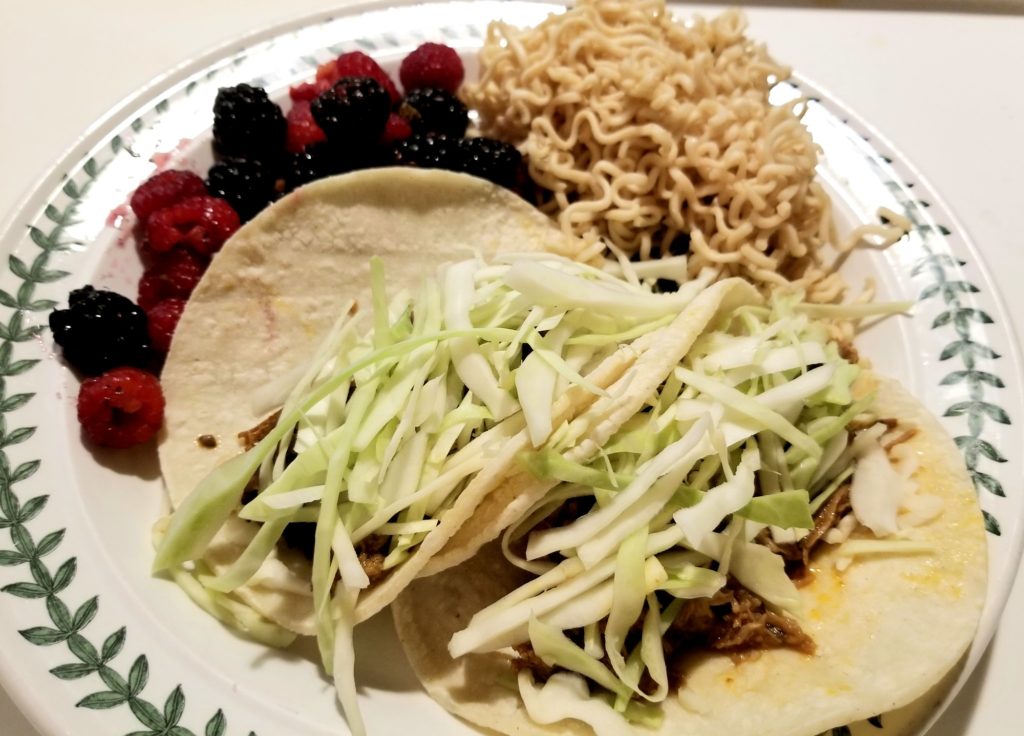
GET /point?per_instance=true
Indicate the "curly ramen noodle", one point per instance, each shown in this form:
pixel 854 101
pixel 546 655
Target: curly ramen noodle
pixel 641 131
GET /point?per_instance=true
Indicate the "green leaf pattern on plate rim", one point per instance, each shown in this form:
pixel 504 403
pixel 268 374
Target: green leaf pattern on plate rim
pixel 939 271
pixel 48 583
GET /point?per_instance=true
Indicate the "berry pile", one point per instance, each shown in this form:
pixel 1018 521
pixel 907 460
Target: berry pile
pixel 352 116
pixel 120 343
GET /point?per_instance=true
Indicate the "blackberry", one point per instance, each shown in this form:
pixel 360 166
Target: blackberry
pixel 358 64
pixel 315 162
pixel 491 159
pixel 429 152
pixel 246 124
pixel 353 111
pixel 434 110
pixel 101 330
pixel 248 186
pixel 324 159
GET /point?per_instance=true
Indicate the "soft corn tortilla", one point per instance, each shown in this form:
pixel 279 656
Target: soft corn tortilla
pixel 887 629
pixel 273 291
pixel 281 281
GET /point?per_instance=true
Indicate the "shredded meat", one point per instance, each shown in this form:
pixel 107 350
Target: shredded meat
pixel 847 351
pixel 798 554
pixel 734 620
pixel 250 437
pixel 748 625
pixel 856 425
pixel 904 436
pixel 527 659
pixel 837 506
pixel 371 556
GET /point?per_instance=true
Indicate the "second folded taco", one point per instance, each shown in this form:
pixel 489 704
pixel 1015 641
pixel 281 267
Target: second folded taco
pixel 777 543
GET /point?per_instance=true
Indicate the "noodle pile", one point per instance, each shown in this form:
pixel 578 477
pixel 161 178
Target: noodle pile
pixel 654 136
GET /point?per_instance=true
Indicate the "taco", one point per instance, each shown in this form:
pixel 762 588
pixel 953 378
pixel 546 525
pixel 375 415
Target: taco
pixel 776 544
pixel 272 294
pixel 316 461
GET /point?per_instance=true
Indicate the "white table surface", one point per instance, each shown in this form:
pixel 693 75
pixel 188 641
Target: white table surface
pixel 944 87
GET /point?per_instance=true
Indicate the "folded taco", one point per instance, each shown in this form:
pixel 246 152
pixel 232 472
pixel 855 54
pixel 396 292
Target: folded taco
pixel 257 319
pixel 778 543
pixel 334 419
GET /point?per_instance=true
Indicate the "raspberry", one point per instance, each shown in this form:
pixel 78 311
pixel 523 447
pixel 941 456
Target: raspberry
pixel 396 129
pixel 248 186
pixel 246 124
pixel 354 112
pixel 122 408
pixel 199 223
pixel 434 110
pixel 327 75
pixel 358 64
pixel 308 91
pixel 432 65
pixel 163 318
pixel 150 291
pixel 100 330
pixel 491 159
pixel 173 276
pixel 164 189
pixel 302 128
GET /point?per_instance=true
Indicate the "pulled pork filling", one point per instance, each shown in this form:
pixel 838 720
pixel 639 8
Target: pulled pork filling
pixel 798 554
pixel 371 556
pixel 734 620
pixel 251 437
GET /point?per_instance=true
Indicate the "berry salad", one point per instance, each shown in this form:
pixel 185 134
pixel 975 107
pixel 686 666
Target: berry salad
pixel 351 116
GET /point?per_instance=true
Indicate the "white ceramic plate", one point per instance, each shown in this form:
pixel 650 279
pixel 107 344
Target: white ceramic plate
pixel 93 645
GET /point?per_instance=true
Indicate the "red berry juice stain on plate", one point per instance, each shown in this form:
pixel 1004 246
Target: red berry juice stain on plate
pixel 118 220
pixel 163 159
pixel 116 216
